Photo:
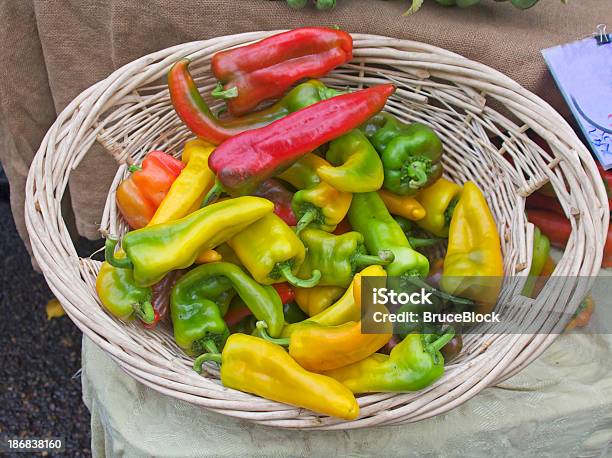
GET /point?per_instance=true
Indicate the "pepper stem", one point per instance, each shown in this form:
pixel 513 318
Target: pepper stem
pixel 436 345
pixel 328 92
pixel 287 274
pixel 197 364
pixel 211 346
pixel 384 257
pixel 144 312
pixel 134 168
pixel 416 281
pixel 417 172
pixel 262 326
pixel 221 93
pixel 308 217
pixel 417 242
pixel 213 194
pixel 109 255
pixel 448 213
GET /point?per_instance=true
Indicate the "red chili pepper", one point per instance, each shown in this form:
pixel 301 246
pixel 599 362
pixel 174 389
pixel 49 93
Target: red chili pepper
pixel 544 202
pixel 556 227
pixel 236 313
pixel 140 194
pixel 264 70
pixel 191 107
pixel 274 190
pixel 285 291
pixel 540 201
pixel 197 116
pixel 160 299
pixel 343 227
pixel 244 161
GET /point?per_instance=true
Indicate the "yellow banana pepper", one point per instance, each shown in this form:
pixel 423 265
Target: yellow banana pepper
pixel 316 203
pixel 405 206
pixel 188 190
pixel 473 266
pixel 317 347
pixel 190 187
pixel 439 201
pixel 314 300
pixel 347 308
pixel 272 252
pixel 254 365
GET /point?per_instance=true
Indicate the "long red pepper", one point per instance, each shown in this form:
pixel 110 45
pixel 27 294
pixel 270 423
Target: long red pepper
pixel 242 162
pixel 266 69
pixel 544 202
pixel 285 291
pixel 192 109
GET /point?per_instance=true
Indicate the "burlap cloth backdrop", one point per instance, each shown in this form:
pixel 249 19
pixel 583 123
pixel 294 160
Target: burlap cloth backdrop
pixel 51 50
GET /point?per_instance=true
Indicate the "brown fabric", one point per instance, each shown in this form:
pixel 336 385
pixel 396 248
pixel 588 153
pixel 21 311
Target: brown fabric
pixel 53 49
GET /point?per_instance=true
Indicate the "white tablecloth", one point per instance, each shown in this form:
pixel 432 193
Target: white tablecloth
pixel 561 405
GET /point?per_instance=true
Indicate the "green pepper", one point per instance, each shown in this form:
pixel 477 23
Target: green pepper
pixel 354 164
pixel 413 364
pixel 410 153
pixel 197 318
pixel 541 249
pixel 293 313
pixel 337 257
pixel 122 297
pixel 153 251
pixel 369 216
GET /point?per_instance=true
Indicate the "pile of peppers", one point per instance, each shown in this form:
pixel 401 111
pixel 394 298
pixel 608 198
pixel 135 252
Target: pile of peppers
pixel 253 246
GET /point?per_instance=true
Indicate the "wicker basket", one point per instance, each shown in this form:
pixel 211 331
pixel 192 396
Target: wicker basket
pixel 464 101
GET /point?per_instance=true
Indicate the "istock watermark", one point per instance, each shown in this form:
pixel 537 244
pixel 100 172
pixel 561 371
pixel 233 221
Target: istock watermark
pixel 496 305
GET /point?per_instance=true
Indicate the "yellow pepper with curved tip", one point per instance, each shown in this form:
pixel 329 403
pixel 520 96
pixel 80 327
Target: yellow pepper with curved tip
pixel 316 202
pixel 314 300
pixel 405 206
pixel 473 266
pixel 153 251
pixel 188 190
pixel 254 365
pixel 345 309
pixel 439 201
pixel 190 187
pixel 317 347
pixel 355 166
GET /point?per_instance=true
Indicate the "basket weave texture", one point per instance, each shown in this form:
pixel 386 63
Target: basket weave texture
pixel 467 103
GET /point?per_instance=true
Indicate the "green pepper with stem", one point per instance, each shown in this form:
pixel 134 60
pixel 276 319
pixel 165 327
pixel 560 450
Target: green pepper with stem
pixel 316 203
pixel 369 216
pixel 413 364
pixel 121 296
pixel 338 257
pixel 272 252
pixel 196 316
pixel 411 154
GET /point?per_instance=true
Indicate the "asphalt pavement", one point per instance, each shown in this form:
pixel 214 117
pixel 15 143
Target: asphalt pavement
pixel 40 387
